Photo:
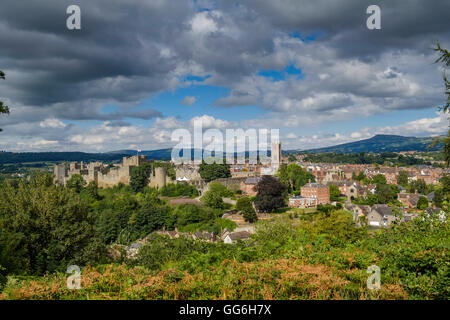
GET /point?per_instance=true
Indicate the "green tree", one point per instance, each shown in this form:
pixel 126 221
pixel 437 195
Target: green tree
pixel 291 158
pixel 139 177
pixel 209 172
pixel 418 186
pixel 445 183
pixel 402 178
pixel 3 109
pixel 44 228
pixel 152 215
pixel 361 176
pixel 270 194
pixel 444 58
pixel 92 190
pixel 334 193
pixel 179 189
pixel 249 214
pixel 438 198
pixel 213 200
pixel 283 175
pixel 294 176
pixel 76 183
pixel 220 189
pixel 379 178
pixel 243 203
pixel 336 228
pixel 422 203
pixel 386 193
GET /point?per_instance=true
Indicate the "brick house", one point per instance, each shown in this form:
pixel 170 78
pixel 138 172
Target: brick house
pixel 409 200
pixel 248 185
pixel 316 190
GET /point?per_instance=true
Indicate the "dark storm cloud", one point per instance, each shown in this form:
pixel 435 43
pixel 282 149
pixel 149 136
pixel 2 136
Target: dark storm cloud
pixel 117 56
pixel 405 24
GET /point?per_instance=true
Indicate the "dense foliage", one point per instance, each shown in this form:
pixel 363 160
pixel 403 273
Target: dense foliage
pixel 245 205
pixel 179 190
pixel 44 228
pixel 140 175
pixel 294 176
pixel 209 172
pixel 321 256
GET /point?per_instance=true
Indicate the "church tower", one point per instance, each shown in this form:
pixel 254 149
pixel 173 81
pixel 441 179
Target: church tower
pixel 276 154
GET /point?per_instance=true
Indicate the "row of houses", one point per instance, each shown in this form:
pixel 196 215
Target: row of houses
pixel 381 215
pixel 226 236
pixel 325 172
pixel 378 215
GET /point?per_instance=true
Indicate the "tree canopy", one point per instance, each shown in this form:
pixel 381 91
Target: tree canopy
pixel 270 194
pixel 294 176
pixel 44 227
pixel 444 58
pixel 209 172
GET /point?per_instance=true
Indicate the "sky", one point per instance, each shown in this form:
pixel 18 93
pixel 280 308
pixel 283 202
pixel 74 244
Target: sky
pixel 138 70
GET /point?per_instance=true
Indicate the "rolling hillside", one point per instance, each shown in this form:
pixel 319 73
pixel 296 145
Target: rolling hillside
pixel 380 143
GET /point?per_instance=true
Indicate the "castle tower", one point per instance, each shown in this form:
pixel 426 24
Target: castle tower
pixel 59 170
pixel 160 177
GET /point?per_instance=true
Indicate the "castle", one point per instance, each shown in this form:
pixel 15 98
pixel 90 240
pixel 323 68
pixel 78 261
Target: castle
pixel 106 176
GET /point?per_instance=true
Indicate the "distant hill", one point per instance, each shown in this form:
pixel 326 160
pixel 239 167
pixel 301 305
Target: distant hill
pixel 21 157
pixel 380 143
pixel 161 154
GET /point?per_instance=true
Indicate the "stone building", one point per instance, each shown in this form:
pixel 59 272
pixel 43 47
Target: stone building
pixel 302 202
pixel 248 186
pixel 106 176
pixel 380 215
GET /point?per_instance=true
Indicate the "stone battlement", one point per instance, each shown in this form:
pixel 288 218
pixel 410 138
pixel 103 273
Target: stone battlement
pixel 107 177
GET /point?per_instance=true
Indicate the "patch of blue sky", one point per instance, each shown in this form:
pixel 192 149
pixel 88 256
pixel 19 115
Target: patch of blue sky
pixel 194 78
pixel 306 38
pixel 280 75
pixel 169 104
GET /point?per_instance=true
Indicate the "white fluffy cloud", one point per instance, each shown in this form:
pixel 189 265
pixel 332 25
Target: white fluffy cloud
pixel 52 123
